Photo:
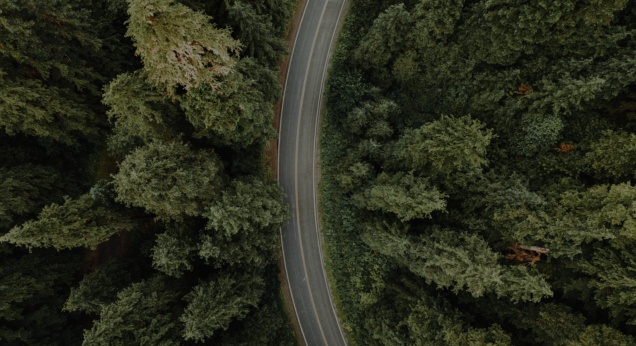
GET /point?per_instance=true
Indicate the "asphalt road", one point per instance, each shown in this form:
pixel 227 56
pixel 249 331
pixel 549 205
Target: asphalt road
pixel 297 161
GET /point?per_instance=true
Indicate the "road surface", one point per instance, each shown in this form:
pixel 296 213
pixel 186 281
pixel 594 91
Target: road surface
pixel 297 145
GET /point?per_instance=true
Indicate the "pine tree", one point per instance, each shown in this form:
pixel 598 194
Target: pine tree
pixel 49 82
pixel 174 250
pixel 24 189
pixel 235 113
pixel 144 313
pixel 444 146
pixel 81 222
pixel 139 113
pixel 214 304
pixel 169 180
pixel 99 288
pixel 244 223
pixel 458 260
pixel 404 195
pixel 613 155
pixel 180 48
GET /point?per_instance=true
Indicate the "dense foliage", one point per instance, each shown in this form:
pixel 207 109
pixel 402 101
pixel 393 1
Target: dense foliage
pixel 479 165
pixel 134 206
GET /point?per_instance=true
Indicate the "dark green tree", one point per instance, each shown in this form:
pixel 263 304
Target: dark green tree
pixel 99 288
pixel 457 260
pixel 444 146
pixel 139 113
pixel 174 250
pixel 144 313
pixel 24 190
pixel 81 222
pixel 169 180
pixel 243 223
pixel 235 113
pixel 214 304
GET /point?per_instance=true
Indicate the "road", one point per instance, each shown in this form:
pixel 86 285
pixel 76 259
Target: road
pixel 297 161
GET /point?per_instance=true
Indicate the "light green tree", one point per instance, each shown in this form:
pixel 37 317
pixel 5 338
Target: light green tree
pixel 406 196
pixel 179 47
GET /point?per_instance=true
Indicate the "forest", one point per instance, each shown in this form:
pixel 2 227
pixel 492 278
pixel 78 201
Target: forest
pixel 478 164
pixel 135 205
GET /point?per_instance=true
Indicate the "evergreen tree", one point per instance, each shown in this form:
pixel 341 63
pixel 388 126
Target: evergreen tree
pixel 99 288
pixel 256 32
pixel 139 113
pixel 77 222
pixel 244 223
pixel 235 113
pixel 180 48
pixel 213 305
pixel 444 146
pixel 169 180
pixel 24 189
pixel 144 313
pixel 174 250
pixel 53 62
pixel 613 155
pixel 31 291
pixel 460 261
pixel 404 195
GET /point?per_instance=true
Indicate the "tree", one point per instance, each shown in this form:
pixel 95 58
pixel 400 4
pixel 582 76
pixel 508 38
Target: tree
pixel 139 113
pixel 144 313
pixel 214 304
pixel 180 48
pixel 424 318
pixel 174 251
pixel 32 288
pixel 23 190
pixel 613 155
pixel 256 32
pixel 244 223
pixel 99 288
pixel 457 260
pixel 235 113
pixel 53 62
pixel 169 180
pixel 576 218
pixel 34 108
pixel 444 146
pixel 76 223
pixel 404 195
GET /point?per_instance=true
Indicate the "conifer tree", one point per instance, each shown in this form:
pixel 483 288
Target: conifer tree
pixel 81 222
pixel 24 189
pixel 139 113
pixel 404 195
pixel 179 47
pixel 236 113
pixel 174 250
pixel 444 146
pixel 213 305
pixel 458 260
pixel 144 313
pixel 169 180
pixel 243 223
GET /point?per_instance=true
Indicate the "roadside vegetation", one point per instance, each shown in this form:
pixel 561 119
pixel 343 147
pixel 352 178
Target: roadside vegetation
pixel 478 162
pixel 170 104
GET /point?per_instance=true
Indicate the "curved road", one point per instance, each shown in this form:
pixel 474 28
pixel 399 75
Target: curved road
pixel 296 172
